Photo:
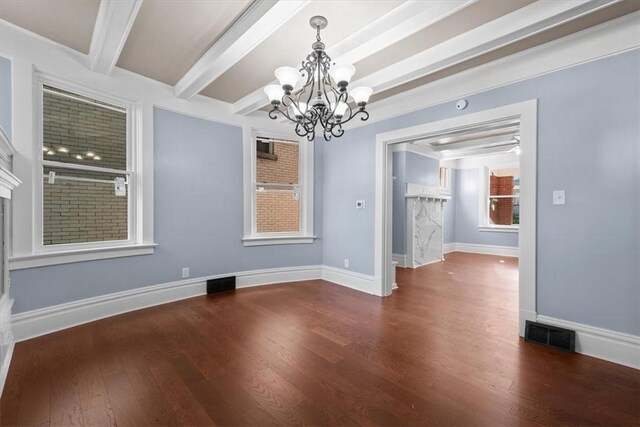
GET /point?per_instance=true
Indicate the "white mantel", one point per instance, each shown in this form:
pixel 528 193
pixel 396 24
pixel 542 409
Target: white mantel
pixel 425 222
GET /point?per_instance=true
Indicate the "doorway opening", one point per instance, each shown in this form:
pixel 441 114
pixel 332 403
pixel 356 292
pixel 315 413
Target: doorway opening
pixel 501 144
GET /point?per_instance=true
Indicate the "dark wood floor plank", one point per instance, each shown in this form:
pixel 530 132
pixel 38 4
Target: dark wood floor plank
pixel 443 350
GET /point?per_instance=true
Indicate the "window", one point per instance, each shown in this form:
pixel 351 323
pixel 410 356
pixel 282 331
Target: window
pixel 86 171
pixel 503 198
pixel 281 191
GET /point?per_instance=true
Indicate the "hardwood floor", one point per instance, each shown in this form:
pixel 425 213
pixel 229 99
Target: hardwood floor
pixel 443 350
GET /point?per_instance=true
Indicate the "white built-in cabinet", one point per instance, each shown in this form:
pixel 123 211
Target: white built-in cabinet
pixel 8 182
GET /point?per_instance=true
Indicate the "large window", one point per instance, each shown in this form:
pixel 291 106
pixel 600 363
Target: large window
pixel 86 171
pixel 281 191
pixel 503 198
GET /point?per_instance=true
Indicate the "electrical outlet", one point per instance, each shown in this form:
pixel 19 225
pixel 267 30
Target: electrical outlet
pixel 185 273
pixel 346 263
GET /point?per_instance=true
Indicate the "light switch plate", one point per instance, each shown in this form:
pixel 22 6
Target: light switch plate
pixel 558 197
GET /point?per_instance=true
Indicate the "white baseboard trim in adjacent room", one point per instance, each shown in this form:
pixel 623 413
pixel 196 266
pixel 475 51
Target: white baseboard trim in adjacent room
pixel 481 249
pixel 616 347
pixel 350 279
pixel 43 321
pixel 401 259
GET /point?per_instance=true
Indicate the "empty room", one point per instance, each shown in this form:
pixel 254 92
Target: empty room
pixel 319 212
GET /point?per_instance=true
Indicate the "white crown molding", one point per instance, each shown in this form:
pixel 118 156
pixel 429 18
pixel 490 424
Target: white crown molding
pixel 610 38
pixel 401 22
pixel 510 28
pixel 113 23
pixel 263 18
pixel 616 347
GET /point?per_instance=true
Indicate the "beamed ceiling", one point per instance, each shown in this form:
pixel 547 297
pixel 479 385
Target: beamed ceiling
pixel 228 49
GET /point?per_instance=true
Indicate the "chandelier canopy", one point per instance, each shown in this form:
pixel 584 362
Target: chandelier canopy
pixel 317 92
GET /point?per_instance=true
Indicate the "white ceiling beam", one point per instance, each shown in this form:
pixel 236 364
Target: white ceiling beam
pixel 401 22
pixel 113 23
pixel 257 23
pixel 475 143
pixel 522 23
pixel 479 152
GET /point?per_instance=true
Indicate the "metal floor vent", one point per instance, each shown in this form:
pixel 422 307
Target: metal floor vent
pixel 221 285
pixel 550 336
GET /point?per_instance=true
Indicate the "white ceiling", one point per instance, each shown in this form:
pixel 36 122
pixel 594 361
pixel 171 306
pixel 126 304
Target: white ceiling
pixel 228 49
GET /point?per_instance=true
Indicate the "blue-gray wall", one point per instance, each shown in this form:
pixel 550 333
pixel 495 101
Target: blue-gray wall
pixel 588 267
pixel 198 221
pixel 466 194
pixel 5 95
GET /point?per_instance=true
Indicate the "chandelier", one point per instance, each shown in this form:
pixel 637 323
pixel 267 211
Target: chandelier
pixel 317 92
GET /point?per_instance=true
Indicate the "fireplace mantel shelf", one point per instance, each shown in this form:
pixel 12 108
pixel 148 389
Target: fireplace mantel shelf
pixel 427 196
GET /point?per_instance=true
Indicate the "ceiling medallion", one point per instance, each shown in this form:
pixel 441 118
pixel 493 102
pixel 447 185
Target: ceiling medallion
pixel 317 92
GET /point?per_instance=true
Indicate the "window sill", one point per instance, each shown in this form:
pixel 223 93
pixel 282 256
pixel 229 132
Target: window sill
pixel 277 240
pixel 78 255
pixel 499 228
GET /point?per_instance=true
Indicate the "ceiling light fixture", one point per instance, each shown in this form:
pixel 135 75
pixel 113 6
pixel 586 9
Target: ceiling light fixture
pixel 317 92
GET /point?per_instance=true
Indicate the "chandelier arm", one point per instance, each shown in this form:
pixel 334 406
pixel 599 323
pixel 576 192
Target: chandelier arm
pixel 360 111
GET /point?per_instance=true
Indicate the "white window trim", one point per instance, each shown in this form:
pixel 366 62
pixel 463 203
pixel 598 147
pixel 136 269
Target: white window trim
pixel 140 241
pixel 483 208
pixel 251 237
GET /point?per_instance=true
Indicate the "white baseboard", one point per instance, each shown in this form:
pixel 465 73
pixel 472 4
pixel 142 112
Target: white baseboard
pixel 481 249
pixel 401 259
pixel 616 347
pixel 46 320
pixel 43 321
pixel 350 279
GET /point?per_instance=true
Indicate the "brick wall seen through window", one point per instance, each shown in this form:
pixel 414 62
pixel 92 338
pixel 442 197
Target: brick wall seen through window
pixel 277 189
pixel 81 131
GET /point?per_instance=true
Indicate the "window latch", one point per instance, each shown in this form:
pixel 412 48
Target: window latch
pixel 52 177
pixel 120 186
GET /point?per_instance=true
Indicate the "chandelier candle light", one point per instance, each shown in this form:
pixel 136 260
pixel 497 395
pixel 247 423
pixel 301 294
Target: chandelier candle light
pixel 317 92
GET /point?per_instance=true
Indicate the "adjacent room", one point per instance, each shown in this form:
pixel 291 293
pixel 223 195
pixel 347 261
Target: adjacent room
pixel 319 212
